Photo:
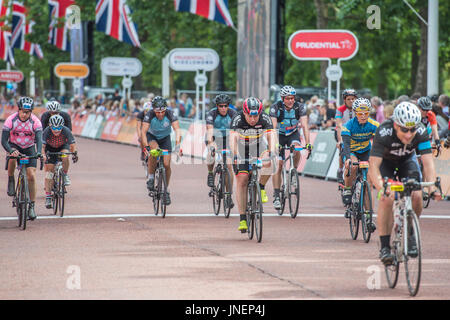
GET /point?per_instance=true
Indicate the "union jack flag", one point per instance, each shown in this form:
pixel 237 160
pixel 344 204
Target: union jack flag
pixel 58 33
pixel 113 17
pixel 20 28
pixel 6 52
pixel 215 10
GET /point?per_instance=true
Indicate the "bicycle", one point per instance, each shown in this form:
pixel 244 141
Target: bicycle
pixel 59 187
pixel 406 219
pixel 160 191
pixel 222 184
pixel 360 209
pixel 21 200
pixel 290 182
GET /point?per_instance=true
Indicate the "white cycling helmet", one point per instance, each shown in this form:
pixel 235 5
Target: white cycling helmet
pixel 56 121
pixel 53 106
pixel 287 91
pixel 407 114
pixel 361 104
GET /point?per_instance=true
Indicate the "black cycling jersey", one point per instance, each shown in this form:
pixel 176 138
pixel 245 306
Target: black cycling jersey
pixel 46 117
pixel 251 134
pixel 388 146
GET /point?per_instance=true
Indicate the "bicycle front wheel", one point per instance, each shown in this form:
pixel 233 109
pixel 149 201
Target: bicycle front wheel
pixel 413 258
pixel 366 212
pixel 226 190
pixel 55 193
pixel 61 192
pixel 25 202
pixel 217 190
pixel 294 192
pixel 250 214
pixel 283 193
pixel 257 209
pixel 19 201
pixel 157 192
pixel 354 223
pixel 163 192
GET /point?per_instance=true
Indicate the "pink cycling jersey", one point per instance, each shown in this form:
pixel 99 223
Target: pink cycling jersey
pixel 22 133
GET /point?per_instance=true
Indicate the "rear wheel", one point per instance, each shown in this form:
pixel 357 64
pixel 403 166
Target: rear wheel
pixel 294 192
pixel 366 215
pixel 413 263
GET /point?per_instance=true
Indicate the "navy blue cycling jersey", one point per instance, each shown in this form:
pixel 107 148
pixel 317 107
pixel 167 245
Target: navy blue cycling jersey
pixel 160 128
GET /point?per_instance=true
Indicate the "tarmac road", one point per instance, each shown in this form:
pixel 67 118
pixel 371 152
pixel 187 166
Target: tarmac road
pixel 110 245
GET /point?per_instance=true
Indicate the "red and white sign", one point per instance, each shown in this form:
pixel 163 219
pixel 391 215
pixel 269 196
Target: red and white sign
pixel 11 76
pixel 323 44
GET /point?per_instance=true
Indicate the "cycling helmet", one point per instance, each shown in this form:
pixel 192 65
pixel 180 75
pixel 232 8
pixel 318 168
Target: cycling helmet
pixel 159 103
pixel 56 121
pixel 222 99
pixel 349 92
pixel 147 106
pixel 252 106
pixel 361 104
pixel 407 114
pixel 287 91
pixel 424 103
pixel 25 103
pixel 53 106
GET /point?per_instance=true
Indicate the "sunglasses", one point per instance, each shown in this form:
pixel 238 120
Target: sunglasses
pixel 405 130
pixel 222 106
pixel 57 128
pixel 253 113
pixel 359 113
pixel 159 111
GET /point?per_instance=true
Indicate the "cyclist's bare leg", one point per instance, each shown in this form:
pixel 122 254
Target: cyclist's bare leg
pixel 152 160
pixel 241 192
pixel 49 171
pixel 417 202
pixel 230 170
pixel 267 170
pixel 349 180
pixel 276 179
pixel 385 217
pixel 167 167
pixel 11 167
pixel 31 174
pixel 297 155
pixel 65 162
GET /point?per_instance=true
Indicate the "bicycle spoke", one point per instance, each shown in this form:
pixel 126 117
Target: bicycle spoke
pixel 413 262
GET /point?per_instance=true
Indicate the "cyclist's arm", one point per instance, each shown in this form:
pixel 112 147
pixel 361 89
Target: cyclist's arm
pixel 5 141
pixel 339 129
pixel 374 172
pixel 233 142
pixel 304 124
pixel 435 133
pixel 272 139
pixel 429 172
pixel 209 133
pixel 346 139
pixel 139 128
pixel 73 147
pixel 38 140
pixel 145 127
pixel 68 122
pixel 176 128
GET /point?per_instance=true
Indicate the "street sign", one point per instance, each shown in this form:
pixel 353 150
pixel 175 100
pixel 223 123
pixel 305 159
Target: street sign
pixel 120 66
pixel 127 83
pixel 334 72
pixel 11 76
pixel 76 83
pixel 201 79
pixel 323 44
pixel 193 59
pixel 71 70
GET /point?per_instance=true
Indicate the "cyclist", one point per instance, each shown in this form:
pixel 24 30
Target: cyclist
pixel 140 117
pixel 343 114
pixel 429 121
pixel 356 135
pixel 56 138
pixel 287 116
pixel 394 146
pixel 156 129
pixel 218 122
pixel 54 107
pixel 22 131
pixel 248 128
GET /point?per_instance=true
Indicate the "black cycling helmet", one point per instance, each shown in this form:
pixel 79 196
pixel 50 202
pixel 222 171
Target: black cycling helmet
pixel 25 103
pixel 424 103
pixel 159 103
pixel 252 106
pixel 222 99
pixel 349 92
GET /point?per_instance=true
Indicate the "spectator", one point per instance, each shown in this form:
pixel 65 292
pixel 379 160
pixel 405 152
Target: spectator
pixel 117 96
pixel 238 105
pixel 388 109
pixel 444 103
pixel 377 104
pixel 415 97
pixel 314 120
pixel 442 120
pixel 266 105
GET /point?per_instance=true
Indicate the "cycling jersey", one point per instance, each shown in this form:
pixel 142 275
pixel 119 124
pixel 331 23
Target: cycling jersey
pixel 251 134
pixel 160 128
pixel 21 133
pixel 287 120
pixel 46 117
pixel 220 123
pixel 388 146
pixel 344 113
pixel 357 136
pixel 55 142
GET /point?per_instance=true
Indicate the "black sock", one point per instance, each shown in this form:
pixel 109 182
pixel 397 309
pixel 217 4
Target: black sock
pixel 243 217
pixel 276 192
pixel 261 186
pixel 385 241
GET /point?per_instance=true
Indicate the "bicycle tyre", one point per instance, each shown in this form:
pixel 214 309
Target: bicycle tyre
pixel 282 193
pixel 366 212
pixel 216 190
pixel 257 208
pixel 61 192
pixel 25 202
pixel 354 224
pixel 294 191
pixel 55 196
pixel 227 191
pixel 19 200
pixel 413 265
pixel 250 214
pixel 156 192
pixel 163 193
pixel 392 270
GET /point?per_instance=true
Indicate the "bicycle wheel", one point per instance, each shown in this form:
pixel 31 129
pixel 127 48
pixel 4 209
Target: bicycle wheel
pixel 257 209
pixel 392 270
pixel 61 193
pixel 413 263
pixel 157 191
pixel 226 190
pixel 217 190
pixel 19 200
pixel 25 202
pixel 294 192
pixel 55 194
pixel 283 191
pixel 163 192
pixel 250 214
pixel 366 212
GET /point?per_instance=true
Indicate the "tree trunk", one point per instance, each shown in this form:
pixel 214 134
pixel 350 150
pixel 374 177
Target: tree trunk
pixel 421 75
pixel 322 23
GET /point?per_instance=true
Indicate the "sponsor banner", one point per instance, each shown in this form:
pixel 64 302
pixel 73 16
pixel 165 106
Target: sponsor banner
pixel 322 154
pixel 332 171
pixel 88 125
pixel 95 126
pixel 127 131
pixel 442 167
pixel 106 134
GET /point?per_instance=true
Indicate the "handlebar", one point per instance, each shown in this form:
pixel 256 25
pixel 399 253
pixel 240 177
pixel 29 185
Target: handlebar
pixel 25 157
pixel 410 184
pixel 293 148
